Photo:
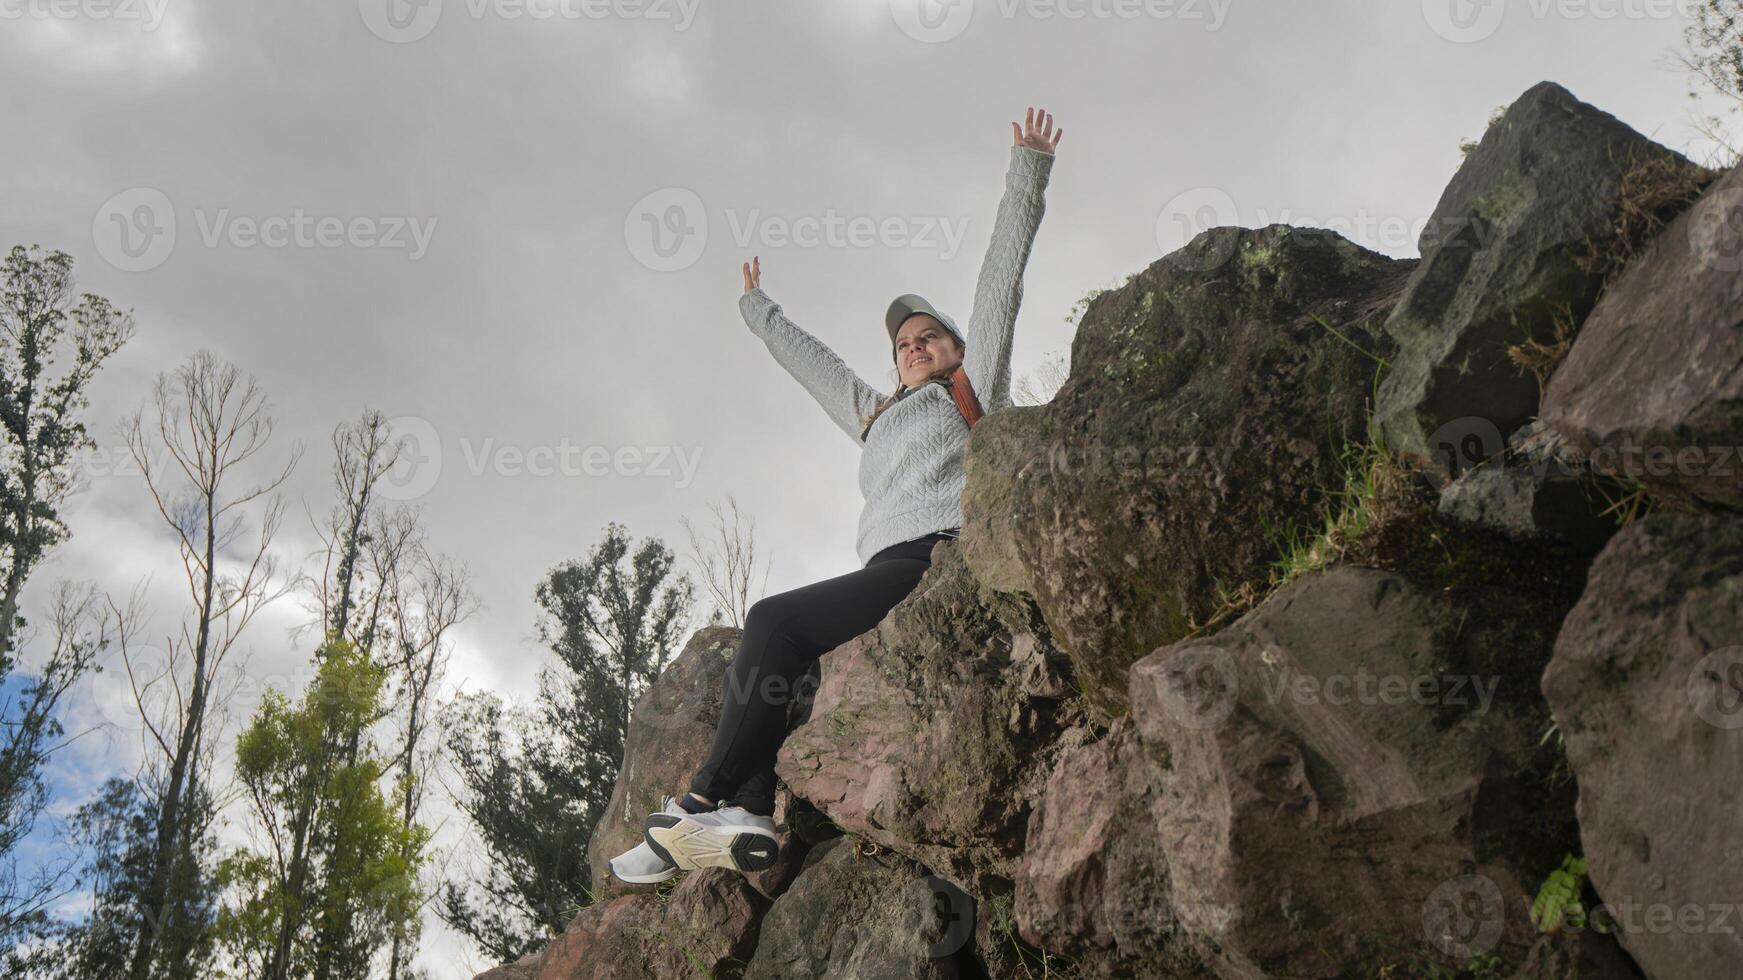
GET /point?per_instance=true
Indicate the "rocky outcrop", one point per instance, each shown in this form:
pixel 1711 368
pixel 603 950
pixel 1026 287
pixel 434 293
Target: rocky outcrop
pixel 931 734
pixel 1090 888
pixel 1099 739
pixel 1538 490
pixel 850 916
pixel 1319 776
pixel 707 927
pixel 1516 242
pixel 1647 688
pixel 1209 400
pixel 1652 388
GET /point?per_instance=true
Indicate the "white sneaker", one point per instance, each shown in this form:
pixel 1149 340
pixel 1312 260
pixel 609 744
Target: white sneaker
pixel 641 865
pixel 730 837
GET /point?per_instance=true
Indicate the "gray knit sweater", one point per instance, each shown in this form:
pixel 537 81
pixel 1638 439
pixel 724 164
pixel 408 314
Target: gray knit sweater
pixel 910 470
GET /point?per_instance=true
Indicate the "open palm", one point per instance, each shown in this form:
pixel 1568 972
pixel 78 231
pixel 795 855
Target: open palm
pixel 1036 133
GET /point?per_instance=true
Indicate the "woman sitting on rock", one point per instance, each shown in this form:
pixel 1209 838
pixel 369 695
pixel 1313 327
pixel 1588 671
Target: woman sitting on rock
pixel 911 474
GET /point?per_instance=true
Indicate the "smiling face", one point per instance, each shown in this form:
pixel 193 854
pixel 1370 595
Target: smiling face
pixel 924 348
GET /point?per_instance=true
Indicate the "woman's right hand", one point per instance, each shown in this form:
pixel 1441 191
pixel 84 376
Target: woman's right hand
pixel 753 273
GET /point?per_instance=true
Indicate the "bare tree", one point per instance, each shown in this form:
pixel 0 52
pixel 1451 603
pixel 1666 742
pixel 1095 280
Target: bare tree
pixel 382 589
pixel 31 734
pixel 421 612
pixel 363 452
pixel 207 421
pixel 1040 385
pixel 726 564
pixel 1713 53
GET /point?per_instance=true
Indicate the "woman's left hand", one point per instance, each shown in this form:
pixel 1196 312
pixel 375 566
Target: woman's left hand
pixel 1036 134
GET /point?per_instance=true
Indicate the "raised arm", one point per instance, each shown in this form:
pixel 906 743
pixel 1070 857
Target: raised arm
pixel 810 361
pixel 999 289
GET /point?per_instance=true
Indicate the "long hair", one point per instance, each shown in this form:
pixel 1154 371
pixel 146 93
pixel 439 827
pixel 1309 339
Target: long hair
pixel 941 374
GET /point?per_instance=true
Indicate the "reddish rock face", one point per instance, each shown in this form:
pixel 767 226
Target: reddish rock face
pixel 1325 788
pixel 1652 388
pixel 927 734
pixel 1647 686
pixel 670 730
pixel 709 920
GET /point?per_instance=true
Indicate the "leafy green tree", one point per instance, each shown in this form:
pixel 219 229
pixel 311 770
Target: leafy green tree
pixel 338 877
pixel 41 323
pixel 537 782
pixel 52 343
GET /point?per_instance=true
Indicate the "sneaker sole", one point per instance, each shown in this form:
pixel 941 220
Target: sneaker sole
pixel 692 845
pixel 652 879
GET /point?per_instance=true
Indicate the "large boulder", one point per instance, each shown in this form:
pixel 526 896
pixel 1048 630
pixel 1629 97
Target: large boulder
pixel 1093 885
pixel 1652 388
pixel 1517 242
pixel 707 926
pixel 1647 687
pixel 933 734
pixel 1209 400
pixel 854 916
pixel 1330 784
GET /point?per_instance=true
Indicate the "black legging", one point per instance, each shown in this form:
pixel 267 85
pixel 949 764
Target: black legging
pixel 784 635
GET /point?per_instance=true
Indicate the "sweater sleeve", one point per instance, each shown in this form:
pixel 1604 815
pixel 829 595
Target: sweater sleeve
pixel 999 289
pixel 820 370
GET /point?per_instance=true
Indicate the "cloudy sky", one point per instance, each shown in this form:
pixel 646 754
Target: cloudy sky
pixel 515 226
